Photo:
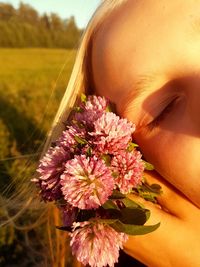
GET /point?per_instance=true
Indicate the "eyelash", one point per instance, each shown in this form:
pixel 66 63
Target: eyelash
pixel 162 115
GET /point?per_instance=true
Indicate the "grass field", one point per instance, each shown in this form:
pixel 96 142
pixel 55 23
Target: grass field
pixel 28 76
pixel 32 83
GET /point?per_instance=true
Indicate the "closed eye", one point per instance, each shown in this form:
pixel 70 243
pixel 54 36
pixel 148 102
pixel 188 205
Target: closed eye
pixel 156 122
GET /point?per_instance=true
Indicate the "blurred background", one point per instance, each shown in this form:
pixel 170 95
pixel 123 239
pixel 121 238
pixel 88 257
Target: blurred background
pixel 38 43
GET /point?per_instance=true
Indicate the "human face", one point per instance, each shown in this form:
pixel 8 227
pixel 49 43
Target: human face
pixel 155 45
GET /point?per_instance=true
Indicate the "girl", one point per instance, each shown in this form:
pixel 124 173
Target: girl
pixel 144 56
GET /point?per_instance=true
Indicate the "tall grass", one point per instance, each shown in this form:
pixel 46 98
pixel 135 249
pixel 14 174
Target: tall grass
pixel 32 82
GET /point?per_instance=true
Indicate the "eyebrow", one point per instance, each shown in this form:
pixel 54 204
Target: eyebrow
pixel 140 86
pixel 144 82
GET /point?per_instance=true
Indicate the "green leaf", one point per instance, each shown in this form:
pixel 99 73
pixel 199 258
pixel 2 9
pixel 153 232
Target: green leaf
pixel 109 204
pixel 115 174
pixel 149 192
pixel 83 98
pixel 150 196
pixel 113 213
pixel 78 109
pixel 131 229
pixel 155 188
pixel 131 146
pixel 85 215
pixel 133 216
pixel 148 166
pixel 80 140
pixel 89 152
pixel 108 108
pixel 130 203
pixel 148 213
pixel 64 228
pixel 117 195
pixel 107 159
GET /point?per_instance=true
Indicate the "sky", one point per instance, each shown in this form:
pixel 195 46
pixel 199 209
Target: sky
pixel 81 9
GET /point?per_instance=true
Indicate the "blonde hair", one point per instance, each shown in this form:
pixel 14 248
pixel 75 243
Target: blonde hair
pixel 80 81
pixel 81 76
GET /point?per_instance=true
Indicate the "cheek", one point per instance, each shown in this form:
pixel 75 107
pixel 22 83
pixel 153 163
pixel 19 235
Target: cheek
pixel 157 150
pixel 176 158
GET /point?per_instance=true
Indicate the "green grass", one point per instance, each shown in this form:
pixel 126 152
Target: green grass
pixel 28 76
pixel 32 83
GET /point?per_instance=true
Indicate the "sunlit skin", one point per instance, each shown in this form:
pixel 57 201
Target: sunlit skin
pixel 156 40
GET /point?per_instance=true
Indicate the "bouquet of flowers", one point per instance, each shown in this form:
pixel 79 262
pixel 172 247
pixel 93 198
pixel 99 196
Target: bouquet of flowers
pixel 89 172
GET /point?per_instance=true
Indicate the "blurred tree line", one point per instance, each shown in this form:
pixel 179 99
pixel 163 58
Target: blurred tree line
pixel 24 27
